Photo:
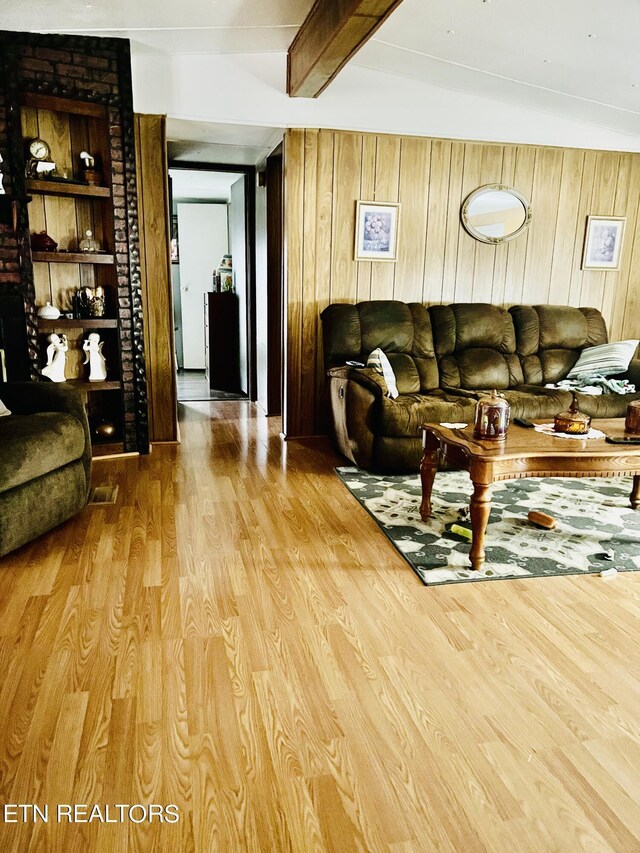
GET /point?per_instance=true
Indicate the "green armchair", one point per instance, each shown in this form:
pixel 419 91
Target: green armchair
pixel 45 460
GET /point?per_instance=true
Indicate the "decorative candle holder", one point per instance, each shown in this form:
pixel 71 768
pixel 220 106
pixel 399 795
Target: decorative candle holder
pixel 492 417
pixel 572 421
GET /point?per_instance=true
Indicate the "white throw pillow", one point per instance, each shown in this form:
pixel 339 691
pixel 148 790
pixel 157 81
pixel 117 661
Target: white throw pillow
pixel 3 410
pixel 604 360
pixel 379 362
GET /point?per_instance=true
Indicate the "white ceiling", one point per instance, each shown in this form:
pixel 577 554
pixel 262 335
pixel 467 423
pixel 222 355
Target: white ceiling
pixel 190 184
pixel 213 142
pixel 575 59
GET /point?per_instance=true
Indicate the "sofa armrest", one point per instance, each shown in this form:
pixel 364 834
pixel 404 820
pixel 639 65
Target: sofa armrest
pixel 369 379
pixel 27 398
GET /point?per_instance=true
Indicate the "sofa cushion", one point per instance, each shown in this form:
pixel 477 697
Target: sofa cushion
pixel 33 445
pixel 550 338
pixel 403 416
pixel 475 344
pixel 532 401
pixel 352 332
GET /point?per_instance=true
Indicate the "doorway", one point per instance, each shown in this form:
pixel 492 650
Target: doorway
pixel 212 281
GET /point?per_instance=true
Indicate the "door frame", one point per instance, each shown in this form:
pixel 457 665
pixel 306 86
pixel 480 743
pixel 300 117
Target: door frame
pixel 249 173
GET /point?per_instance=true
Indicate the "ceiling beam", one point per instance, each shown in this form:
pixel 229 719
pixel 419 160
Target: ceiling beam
pixel 333 32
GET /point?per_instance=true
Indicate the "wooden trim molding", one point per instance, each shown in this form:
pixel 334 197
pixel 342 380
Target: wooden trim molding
pixel 331 34
pixel 155 267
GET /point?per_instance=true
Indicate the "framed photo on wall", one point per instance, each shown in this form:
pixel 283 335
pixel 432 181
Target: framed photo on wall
pixel 603 242
pixel 377 231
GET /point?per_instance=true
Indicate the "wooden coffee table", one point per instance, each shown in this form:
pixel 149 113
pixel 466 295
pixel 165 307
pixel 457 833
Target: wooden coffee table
pixel 524 453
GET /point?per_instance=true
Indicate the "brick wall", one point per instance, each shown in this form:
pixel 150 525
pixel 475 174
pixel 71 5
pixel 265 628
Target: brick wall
pixel 87 69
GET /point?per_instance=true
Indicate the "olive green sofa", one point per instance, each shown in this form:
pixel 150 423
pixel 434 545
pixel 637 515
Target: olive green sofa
pixel 45 460
pixel 444 357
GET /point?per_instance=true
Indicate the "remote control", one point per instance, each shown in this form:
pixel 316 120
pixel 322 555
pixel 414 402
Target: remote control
pixel 523 422
pixel 625 440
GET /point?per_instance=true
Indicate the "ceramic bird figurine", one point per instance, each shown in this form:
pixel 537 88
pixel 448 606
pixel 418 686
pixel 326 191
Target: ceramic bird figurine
pixel 93 357
pixel 56 358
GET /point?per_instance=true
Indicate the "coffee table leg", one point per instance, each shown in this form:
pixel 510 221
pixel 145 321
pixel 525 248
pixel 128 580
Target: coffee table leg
pixel 428 469
pixel 480 510
pixel 635 492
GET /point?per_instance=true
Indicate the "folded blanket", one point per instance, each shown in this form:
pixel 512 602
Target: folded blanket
pixel 595 385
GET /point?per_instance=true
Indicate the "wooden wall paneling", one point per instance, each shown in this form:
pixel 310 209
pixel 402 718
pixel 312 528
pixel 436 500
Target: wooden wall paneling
pixel 564 237
pixel 602 201
pixel 413 192
pixel 309 289
pixel 367 192
pixel 436 236
pixel 631 313
pixel 430 178
pixel 65 280
pixel 79 136
pixel 37 218
pixel 617 305
pixel 507 174
pixel 54 128
pixel 88 218
pixel 485 253
pixel 29 122
pixel 346 190
pixel 454 228
pixel 60 220
pixel 99 147
pixel 465 261
pixel 544 199
pixel 617 279
pixel 155 272
pixel 584 208
pixel 293 238
pixel 41 277
pixel 323 226
pixel 517 249
pixel 88 276
pixel 42 284
pixel 74 368
pixel 386 189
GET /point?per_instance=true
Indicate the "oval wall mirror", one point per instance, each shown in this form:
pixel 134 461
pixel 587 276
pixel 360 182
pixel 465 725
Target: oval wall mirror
pixel 495 213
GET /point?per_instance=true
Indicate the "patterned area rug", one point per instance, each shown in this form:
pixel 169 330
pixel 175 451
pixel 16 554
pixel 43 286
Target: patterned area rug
pixel 596 527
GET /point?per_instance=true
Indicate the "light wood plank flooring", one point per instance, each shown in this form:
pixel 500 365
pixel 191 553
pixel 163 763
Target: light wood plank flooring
pixel 237 637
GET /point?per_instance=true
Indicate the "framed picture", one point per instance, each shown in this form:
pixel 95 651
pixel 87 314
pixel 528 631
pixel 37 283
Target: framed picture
pixel 376 231
pixel 603 243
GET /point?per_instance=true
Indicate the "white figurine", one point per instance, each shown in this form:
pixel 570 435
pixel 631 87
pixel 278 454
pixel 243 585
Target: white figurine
pixel 56 358
pixel 94 358
pixel 2 189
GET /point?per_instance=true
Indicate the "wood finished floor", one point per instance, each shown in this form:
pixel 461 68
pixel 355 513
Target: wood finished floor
pixel 235 636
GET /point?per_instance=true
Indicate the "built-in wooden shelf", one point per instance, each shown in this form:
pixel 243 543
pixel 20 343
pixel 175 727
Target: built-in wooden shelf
pixel 72 258
pixel 113 448
pixel 63 105
pixel 66 323
pixel 85 385
pixel 70 188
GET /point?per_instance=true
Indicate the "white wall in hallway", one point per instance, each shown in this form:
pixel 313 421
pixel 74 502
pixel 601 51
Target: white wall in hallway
pixel 238 248
pixel 204 239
